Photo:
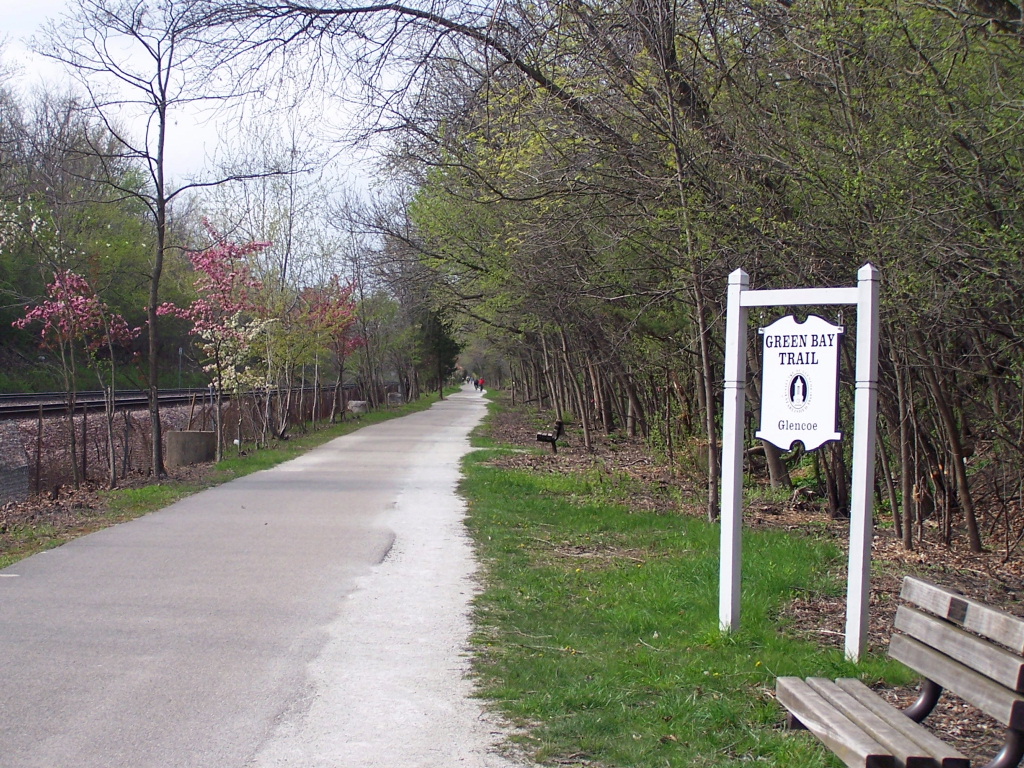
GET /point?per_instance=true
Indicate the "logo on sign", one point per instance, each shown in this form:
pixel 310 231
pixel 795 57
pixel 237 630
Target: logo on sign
pixel 798 393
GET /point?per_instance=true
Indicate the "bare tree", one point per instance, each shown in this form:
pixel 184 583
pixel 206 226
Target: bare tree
pixel 140 64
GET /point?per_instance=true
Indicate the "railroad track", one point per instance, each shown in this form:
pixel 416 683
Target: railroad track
pixel 22 405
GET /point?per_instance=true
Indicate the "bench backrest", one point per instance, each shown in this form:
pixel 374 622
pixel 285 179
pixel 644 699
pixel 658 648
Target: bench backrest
pixel 967 647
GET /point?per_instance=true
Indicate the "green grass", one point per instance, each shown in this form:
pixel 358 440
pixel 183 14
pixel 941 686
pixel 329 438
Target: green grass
pixel 21 540
pixel 598 628
pixel 126 503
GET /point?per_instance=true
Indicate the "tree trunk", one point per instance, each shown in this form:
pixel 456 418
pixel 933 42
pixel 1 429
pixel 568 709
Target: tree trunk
pixel 906 459
pixel 956 450
pixel 778 472
pixel 85 443
pixel 153 336
pixel 578 392
pixel 890 487
pixel 710 421
pixel 110 414
pixel 551 377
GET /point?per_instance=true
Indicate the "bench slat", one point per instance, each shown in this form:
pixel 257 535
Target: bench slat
pixel 945 755
pixel 865 731
pixel 970 614
pixel 992 661
pixel 846 739
pixel 990 697
pixel 908 753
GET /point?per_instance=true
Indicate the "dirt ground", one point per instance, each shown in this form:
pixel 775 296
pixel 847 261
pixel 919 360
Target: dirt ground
pixel 989 576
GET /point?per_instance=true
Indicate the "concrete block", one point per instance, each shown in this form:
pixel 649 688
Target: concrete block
pixel 190 447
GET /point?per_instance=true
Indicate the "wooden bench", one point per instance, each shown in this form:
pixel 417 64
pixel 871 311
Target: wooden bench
pixel 553 436
pixel 957 644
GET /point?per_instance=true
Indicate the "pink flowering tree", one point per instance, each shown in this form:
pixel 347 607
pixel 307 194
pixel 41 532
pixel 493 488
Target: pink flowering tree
pixel 331 311
pixel 224 317
pixel 76 321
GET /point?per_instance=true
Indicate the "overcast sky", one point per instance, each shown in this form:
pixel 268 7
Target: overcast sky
pixel 192 140
pixel 22 18
pixel 19 21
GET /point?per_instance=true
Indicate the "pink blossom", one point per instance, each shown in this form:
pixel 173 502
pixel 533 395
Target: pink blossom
pixel 332 310
pixel 73 312
pixel 226 290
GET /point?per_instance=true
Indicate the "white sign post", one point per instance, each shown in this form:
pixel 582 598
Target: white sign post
pixel 798 384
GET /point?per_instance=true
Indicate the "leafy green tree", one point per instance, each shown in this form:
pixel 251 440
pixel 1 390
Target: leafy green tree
pixel 437 350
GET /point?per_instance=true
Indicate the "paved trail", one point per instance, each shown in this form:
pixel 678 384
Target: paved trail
pixel 313 615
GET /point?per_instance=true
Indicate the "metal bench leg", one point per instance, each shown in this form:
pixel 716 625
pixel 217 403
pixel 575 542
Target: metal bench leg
pixel 1012 751
pixel 925 703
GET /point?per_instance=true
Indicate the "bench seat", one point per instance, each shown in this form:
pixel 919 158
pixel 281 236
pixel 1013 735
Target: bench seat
pixel 552 437
pixel 861 728
pixel 956 644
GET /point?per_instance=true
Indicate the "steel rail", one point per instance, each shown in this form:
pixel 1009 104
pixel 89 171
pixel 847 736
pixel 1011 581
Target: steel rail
pixel 25 404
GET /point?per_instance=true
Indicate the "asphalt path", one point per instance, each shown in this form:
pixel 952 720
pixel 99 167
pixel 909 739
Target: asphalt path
pixel 312 615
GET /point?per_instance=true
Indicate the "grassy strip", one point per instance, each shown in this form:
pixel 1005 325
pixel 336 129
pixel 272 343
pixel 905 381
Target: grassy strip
pixel 20 541
pixel 598 627
pixel 122 504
